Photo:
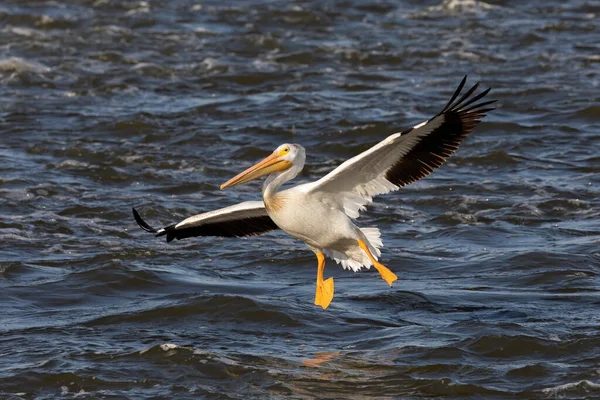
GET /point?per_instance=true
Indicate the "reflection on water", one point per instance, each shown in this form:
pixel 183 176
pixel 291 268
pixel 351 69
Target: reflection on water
pixel 320 358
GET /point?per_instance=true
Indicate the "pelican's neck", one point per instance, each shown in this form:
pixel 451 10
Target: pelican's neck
pixel 275 180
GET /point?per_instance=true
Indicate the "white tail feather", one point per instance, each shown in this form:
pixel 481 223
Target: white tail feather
pixel 355 258
pixel 373 240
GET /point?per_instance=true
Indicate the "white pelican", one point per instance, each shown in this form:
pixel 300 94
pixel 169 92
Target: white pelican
pixel 321 213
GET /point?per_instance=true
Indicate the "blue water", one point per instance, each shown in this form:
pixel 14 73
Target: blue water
pixel 105 105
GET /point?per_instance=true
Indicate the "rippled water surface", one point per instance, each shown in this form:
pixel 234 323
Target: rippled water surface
pixel 109 104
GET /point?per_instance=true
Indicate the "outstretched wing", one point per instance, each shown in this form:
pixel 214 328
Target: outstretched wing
pixel 403 157
pixel 245 219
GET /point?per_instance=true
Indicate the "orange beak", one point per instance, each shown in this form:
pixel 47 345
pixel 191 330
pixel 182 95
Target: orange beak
pixel 271 164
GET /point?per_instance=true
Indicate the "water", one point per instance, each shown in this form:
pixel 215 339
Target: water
pixel 108 104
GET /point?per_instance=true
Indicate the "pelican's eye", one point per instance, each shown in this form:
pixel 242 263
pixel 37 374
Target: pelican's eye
pixel 284 151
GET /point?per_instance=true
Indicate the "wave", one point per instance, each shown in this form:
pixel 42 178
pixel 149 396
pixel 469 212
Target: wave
pixel 19 65
pixel 580 389
pixel 222 307
pixel 449 7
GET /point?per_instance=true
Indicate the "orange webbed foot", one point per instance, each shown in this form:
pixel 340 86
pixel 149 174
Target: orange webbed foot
pixel 324 293
pixel 386 274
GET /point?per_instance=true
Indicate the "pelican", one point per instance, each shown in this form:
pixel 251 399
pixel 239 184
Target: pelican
pixel 322 213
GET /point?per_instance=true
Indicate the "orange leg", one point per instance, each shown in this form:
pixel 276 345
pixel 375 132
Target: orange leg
pixel 324 293
pixel 385 273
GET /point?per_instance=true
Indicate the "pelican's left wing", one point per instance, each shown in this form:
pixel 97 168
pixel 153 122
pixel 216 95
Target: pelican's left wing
pixel 245 219
pixel 403 157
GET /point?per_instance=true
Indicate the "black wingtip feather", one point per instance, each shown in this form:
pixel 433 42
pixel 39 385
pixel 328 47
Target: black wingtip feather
pixel 479 105
pixel 461 107
pixel 459 103
pixel 143 224
pixel 456 93
pixel 431 147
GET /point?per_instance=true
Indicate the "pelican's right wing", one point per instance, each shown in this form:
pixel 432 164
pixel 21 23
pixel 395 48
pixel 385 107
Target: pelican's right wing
pixel 245 219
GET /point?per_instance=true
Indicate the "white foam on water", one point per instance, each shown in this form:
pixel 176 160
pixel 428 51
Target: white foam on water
pixel 455 6
pixel 561 391
pixel 19 65
pixel 163 347
pixel 465 5
pixel 168 346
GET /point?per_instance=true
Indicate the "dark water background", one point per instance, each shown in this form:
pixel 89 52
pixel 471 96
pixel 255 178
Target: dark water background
pixel 108 104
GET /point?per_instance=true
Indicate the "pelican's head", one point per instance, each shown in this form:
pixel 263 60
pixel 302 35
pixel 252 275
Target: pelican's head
pixel 283 158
